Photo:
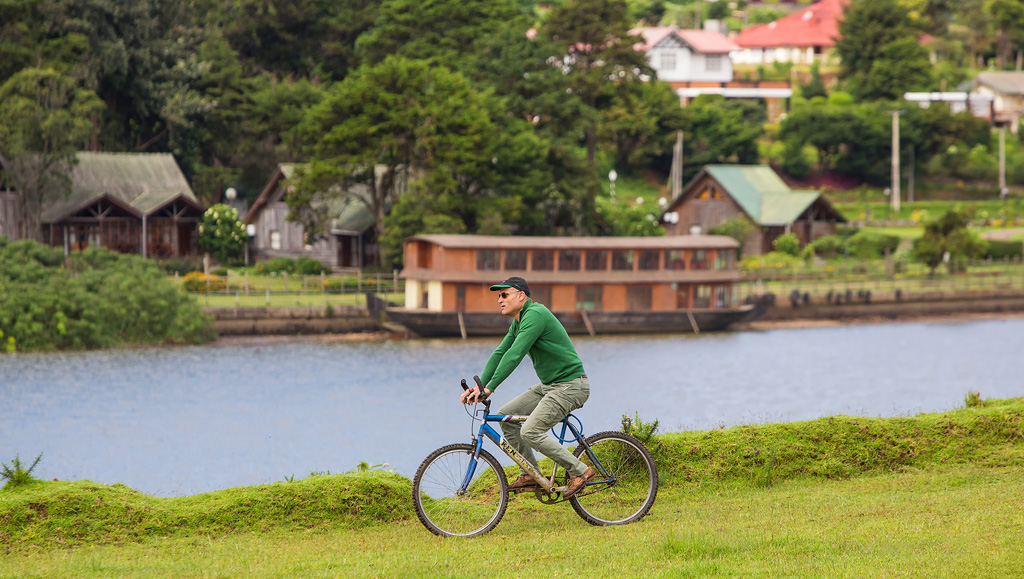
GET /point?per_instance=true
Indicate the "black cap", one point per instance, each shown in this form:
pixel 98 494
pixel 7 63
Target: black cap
pixel 513 282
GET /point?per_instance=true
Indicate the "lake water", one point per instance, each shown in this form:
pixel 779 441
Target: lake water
pixel 181 421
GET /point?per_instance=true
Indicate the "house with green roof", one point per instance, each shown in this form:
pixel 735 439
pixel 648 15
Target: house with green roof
pixel 755 193
pixel 130 202
pixel 351 241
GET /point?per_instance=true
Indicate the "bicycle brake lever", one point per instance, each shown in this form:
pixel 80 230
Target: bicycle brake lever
pixel 464 385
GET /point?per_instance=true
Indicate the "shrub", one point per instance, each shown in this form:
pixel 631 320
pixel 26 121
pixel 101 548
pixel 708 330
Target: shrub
pixel 769 261
pixel 197 281
pixel 91 299
pixel 787 243
pixel 180 265
pixel 276 265
pixel 222 233
pixel 997 249
pixel 310 266
pixel 17 474
pixel 827 246
pixel 868 244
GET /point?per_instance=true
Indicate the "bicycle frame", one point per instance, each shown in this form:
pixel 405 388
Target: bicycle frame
pixel 486 430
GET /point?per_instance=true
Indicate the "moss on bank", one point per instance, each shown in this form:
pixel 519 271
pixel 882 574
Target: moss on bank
pixel 60 514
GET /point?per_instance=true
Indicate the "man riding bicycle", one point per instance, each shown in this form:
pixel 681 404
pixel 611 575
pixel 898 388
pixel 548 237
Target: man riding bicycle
pixel 564 387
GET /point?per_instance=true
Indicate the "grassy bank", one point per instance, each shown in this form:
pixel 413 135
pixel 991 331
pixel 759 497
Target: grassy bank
pixel 934 495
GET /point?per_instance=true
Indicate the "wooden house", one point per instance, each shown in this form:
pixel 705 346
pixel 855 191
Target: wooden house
pixel 686 55
pixel 129 202
pixel 1006 90
pixel 803 37
pixel 755 193
pixel 351 241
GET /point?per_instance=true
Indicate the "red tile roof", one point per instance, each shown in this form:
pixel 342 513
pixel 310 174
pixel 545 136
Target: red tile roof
pixel 816 25
pixel 703 41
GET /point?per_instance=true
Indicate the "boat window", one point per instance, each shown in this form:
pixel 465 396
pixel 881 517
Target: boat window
pixel 569 260
pixel 650 260
pixel 515 259
pixel 487 259
pixel 588 298
pixel 541 295
pixel 675 259
pixel 543 260
pixel 700 260
pixel 722 296
pixel 622 260
pixel 702 296
pixel 724 258
pixel 638 298
pixel 597 260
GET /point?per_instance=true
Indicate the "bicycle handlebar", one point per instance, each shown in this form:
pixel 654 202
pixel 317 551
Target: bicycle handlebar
pixel 480 386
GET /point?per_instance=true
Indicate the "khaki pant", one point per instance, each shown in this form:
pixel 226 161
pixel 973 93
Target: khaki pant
pixel 547 405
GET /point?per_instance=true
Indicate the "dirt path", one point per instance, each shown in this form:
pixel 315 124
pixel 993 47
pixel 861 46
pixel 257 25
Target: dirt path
pixel 1002 234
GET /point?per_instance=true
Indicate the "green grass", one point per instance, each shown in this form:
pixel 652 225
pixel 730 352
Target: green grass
pixel 933 495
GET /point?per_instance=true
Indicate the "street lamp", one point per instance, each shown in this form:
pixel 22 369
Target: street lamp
pixel 230 193
pixel 612 176
pixel 250 231
pixel 887 192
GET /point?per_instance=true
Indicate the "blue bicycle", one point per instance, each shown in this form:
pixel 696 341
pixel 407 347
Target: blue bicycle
pixel 460 490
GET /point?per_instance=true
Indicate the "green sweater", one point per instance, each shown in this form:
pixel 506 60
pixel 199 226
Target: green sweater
pixel 538 333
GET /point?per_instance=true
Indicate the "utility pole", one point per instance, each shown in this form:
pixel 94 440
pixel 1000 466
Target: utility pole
pixel 896 163
pixel 1002 158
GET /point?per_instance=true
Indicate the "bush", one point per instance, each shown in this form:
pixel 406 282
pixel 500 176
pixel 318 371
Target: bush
pixel 787 243
pixel 180 265
pixel 197 281
pixel 92 299
pixel 222 234
pixel 1002 249
pixel 17 474
pixel 770 261
pixel 868 244
pixel 827 247
pixel 310 266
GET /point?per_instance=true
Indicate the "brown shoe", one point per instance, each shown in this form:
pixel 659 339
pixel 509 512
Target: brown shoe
pixel 525 482
pixel 576 483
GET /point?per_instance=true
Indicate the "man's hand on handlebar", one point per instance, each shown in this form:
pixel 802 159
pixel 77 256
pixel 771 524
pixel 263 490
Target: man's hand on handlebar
pixel 472 396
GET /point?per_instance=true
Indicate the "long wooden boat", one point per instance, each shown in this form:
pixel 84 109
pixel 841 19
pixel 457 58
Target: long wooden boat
pixel 594 285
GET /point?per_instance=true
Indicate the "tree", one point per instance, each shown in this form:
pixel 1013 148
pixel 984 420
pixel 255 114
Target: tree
pixel 597 54
pixel 815 86
pixel 715 132
pixel 1006 16
pixel 222 234
pixel 641 123
pixel 442 31
pixel 404 121
pixel 878 51
pixel 44 120
pixel 947 239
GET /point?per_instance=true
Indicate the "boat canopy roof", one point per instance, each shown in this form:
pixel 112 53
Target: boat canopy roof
pixel 454 241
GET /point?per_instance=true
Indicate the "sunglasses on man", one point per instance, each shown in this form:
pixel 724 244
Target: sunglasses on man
pixel 504 295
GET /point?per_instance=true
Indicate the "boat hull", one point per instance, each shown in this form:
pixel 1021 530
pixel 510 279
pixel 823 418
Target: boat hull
pixel 593 322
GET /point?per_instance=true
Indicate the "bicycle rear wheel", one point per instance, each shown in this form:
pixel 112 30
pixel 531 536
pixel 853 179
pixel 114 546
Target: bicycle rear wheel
pixel 443 509
pixel 628 493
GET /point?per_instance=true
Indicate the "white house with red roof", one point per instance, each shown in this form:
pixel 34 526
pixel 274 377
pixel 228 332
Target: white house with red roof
pixel 803 37
pixel 686 55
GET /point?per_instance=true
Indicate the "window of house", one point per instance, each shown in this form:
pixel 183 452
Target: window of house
pixel 588 298
pixel 515 259
pixel 700 260
pixel 675 259
pixel 714 62
pixel 543 260
pixel 638 298
pixel 275 239
pixel 568 260
pixel 597 260
pixel 649 260
pixel 668 61
pixel 622 260
pixel 487 259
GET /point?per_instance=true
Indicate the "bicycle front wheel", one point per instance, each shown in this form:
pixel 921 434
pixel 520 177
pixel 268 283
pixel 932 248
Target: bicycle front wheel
pixel 629 490
pixel 444 508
